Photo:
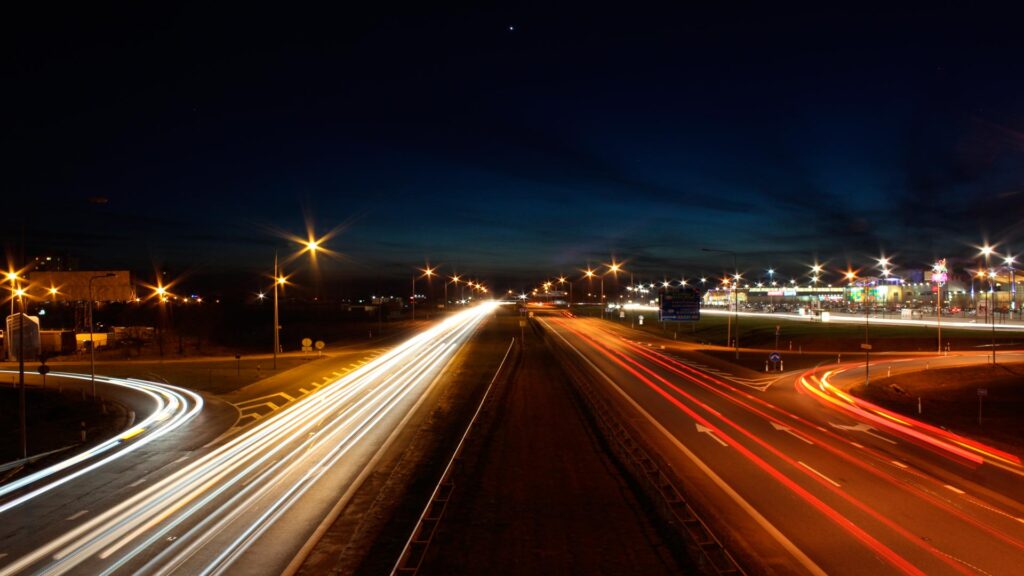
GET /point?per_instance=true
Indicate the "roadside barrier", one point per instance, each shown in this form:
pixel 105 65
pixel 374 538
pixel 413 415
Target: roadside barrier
pixel 703 546
pixel 411 558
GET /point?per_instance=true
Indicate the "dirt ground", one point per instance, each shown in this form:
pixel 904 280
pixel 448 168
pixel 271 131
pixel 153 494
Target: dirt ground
pixel 536 493
pixel 54 421
pixel 949 398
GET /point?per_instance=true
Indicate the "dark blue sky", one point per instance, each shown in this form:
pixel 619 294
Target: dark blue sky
pixel 642 131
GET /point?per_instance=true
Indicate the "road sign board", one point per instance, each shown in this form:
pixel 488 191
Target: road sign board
pixel 775 357
pixel 44 369
pixel 865 346
pixel 306 342
pixel 679 305
pixel 319 345
pixel 982 391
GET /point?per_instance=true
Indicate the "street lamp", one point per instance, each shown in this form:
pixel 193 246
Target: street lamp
pixel 13 278
pixel 614 268
pixel 1009 261
pixel 92 343
pixel 279 280
pixel 589 275
pixel 987 252
pixel 736 312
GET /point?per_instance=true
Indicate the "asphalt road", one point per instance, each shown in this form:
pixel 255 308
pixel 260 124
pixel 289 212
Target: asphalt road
pixel 226 504
pixel 793 481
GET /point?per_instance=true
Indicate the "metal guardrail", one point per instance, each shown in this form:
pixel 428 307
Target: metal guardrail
pixel 704 547
pixel 31 459
pixel 411 558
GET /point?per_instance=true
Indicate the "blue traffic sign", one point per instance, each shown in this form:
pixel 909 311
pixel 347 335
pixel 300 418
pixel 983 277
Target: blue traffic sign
pixel 775 357
pixel 680 305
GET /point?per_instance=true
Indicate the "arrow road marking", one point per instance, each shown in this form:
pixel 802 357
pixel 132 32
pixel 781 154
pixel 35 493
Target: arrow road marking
pixel 861 428
pixel 788 430
pixel 711 433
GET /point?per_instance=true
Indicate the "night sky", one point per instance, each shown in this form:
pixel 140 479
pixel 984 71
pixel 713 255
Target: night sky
pixel 512 142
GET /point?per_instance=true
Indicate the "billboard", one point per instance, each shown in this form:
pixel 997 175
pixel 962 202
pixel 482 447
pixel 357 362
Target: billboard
pixel 22 326
pixel 74 286
pixel 679 305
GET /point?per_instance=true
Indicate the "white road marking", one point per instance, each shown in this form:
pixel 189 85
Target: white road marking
pixel 900 464
pixel 833 482
pixel 137 482
pixel 789 431
pixel 705 430
pixel 271 405
pixel 759 518
pixel 78 514
pixel 861 428
pixel 182 459
pixel 955 489
pixel 255 400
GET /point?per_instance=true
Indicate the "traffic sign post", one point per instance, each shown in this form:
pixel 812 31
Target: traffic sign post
pixel 776 359
pixel 319 345
pixel 982 393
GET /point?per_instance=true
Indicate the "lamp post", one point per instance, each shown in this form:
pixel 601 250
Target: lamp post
pixel 12 277
pixel 1009 262
pixel 589 275
pixel 278 281
pixel 92 343
pixel 939 277
pixel 22 401
pixel 736 311
pixel 614 268
pixel 992 310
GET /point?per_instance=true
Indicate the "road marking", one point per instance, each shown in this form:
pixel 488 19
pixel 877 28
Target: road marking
pixel 261 398
pixel 899 464
pixel 271 405
pixel 790 431
pixel 183 458
pixel 137 482
pixel 861 428
pixel 747 507
pixel 857 445
pixel 304 391
pixel 77 515
pixel 833 482
pixel 955 489
pixel 705 430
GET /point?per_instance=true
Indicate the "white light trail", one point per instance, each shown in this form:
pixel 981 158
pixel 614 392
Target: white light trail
pixel 223 501
pixel 173 407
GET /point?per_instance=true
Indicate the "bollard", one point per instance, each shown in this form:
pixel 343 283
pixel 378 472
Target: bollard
pixel 919 405
pixel 83 432
pixel 765 365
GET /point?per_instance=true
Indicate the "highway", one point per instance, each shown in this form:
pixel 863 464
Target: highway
pixel 230 507
pixel 797 483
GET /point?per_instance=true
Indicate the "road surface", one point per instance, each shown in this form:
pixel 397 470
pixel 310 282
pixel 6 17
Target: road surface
pixel 229 507
pixel 794 483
